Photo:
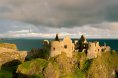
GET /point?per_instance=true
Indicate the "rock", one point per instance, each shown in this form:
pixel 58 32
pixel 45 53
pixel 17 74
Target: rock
pixel 10 56
pixel 51 71
pixel 77 67
pixel 32 68
pixel 2 49
pixel 9 52
pixel 8 46
pixel 98 69
pixel 64 63
pixel 23 55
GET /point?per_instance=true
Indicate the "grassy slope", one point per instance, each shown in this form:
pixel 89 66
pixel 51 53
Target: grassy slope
pixel 32 68
pixel 102 67
pixel 77 67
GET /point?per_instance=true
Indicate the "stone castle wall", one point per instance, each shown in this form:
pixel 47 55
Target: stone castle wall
pixel 68 46
pixel 65 45
pixel 93 50
pixel 56 48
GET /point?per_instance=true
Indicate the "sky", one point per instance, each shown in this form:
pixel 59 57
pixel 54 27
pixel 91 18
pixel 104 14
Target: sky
pixel 45 18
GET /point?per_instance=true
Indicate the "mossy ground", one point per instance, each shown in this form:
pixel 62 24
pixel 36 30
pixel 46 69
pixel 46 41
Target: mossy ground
pixel 103 66
pixel 63 67
pixel 5 74
pixel 77 67
pixel 32 68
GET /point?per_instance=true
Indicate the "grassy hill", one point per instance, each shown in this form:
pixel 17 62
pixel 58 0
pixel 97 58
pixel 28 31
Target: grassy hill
pixel 79 66
pixel 105 66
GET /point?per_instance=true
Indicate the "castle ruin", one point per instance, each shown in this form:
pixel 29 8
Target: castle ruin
pixel 92 49
pixel 58 46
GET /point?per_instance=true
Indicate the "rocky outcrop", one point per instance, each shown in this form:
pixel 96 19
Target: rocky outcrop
pixel 2 49
pixel 8 46
pixel 104 66
pixel 33 68
pixel 77 67
pixel 98 69
pixel 59 67
pixel 10 56
pixel 51 71
pixel 9 52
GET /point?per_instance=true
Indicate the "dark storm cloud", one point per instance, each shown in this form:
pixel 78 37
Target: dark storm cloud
pixel 112 13
pixel 60 13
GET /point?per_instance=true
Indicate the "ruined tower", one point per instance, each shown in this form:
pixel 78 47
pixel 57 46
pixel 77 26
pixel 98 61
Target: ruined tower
pixel 57 37
pixel 93 50
pixel 58 46
pixel 82 43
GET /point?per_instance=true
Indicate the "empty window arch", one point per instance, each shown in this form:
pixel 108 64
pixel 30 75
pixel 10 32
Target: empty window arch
pixel 53 48
pixel 65 46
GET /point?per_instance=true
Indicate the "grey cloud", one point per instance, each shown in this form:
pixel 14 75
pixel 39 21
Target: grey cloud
pixel 9 25
pixel 20 29
pixel 112 13
pixel 4 9
pixel 60 13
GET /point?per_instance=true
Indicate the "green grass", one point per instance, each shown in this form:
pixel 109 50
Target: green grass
pixel 8 69
pixel 79 73
pixel 37 76
pixel 110 59
pixel 87 65
pixel 5 74
pixel 33 67
pixel 37 53
pixel 58 66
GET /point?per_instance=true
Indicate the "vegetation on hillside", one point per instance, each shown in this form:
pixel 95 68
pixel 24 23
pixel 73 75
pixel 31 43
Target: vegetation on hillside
pixel 77 67
pixel 40 65
pixel 33 68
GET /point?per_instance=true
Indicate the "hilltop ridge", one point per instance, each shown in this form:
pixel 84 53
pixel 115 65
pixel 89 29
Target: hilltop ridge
pixel 65 59
pixel 60 58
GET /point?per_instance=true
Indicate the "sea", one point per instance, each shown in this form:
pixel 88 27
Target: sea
pixel 28 44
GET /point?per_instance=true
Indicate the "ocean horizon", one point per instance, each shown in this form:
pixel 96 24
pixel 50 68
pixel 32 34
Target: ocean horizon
pixel 28 44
